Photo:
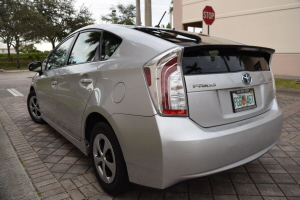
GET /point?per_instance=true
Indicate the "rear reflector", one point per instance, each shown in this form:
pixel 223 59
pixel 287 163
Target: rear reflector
pixel 147 75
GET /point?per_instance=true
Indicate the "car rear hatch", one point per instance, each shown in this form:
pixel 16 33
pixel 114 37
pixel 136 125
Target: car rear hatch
pixel 227 83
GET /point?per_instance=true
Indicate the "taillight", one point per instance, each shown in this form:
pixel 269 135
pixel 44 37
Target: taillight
pixel 164 79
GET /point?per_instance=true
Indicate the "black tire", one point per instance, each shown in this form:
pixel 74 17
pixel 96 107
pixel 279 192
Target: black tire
pixel 106 153
pixel 33 108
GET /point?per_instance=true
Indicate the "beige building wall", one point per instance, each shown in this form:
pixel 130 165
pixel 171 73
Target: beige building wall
pixel 269 23
pixel 177 14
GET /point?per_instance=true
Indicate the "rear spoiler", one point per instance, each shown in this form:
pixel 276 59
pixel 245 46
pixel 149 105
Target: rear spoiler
pixel 266 51
pixel 239 47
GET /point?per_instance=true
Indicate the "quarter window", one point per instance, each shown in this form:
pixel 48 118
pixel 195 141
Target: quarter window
pixel 57 58
pixel 85 47
pixel 109 45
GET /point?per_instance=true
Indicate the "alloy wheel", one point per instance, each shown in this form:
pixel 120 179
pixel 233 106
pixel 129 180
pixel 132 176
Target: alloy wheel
pixel 34 107
pixel 104 158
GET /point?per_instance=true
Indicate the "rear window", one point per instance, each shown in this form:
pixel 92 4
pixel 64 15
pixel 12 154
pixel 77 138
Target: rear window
pixel 171 35
pixel 206 61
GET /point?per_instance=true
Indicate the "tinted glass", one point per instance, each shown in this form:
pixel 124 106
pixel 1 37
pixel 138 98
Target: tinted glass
pixel 171 35
pixel 110 43
pixel 57 58
pixel 85 47
pixel 198 61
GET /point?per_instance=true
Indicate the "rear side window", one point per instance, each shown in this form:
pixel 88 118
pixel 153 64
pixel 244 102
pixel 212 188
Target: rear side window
pixel 205 61
pixel 109 45
pixel 85 47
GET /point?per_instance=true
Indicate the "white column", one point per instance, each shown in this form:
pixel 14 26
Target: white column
pixel 138 13
pixel 148 15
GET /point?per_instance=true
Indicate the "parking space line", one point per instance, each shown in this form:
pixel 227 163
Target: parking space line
pixel 15 92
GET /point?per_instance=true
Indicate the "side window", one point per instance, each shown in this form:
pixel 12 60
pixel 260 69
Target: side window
pixel 57 58
pixel 85 47
pixel 44 63
pixel 110 43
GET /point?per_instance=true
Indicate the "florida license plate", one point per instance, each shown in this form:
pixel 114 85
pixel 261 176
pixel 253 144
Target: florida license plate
pixel 243 100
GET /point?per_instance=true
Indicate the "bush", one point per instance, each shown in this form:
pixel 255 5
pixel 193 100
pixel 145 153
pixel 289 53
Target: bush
pixel 24 56
pixel 13 65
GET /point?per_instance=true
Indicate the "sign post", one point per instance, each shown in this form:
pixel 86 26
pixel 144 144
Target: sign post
pixel 208 16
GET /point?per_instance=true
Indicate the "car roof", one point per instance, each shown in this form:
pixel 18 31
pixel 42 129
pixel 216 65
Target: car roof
pixel 180 37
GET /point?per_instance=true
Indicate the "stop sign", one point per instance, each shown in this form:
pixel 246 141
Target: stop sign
pixel 208 15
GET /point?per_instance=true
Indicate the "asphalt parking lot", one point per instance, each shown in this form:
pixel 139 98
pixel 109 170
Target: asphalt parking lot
pixel 58 170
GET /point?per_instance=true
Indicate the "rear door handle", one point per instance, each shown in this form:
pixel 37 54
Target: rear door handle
pixel 86 80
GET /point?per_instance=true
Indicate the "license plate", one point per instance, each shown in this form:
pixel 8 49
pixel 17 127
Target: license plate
pixel 243 100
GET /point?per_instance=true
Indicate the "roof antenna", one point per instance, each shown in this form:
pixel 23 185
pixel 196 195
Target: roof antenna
pixel 160 20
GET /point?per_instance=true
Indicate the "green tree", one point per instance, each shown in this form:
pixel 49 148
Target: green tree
pixel 19 23
pixel 61 18
pixel 171 7
pixel 5 25
pixel 122 14
pixel 28 48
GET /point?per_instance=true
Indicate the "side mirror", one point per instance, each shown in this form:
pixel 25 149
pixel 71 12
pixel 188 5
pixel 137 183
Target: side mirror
pixel 35 66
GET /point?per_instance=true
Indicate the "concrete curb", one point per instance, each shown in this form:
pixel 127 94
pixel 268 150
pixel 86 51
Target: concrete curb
pixel 14 181
pixel 286 77
pixel 12 71
pixel 288 92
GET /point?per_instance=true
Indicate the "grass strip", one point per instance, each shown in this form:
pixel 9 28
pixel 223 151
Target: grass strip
pixel 287 83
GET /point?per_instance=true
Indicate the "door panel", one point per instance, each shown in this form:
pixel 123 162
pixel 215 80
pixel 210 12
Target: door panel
pixel 47 82
pixel 46 94
pixel 75 86
pixel 76 81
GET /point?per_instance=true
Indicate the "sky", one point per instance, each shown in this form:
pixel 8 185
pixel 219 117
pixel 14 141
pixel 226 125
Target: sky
pixel 102 7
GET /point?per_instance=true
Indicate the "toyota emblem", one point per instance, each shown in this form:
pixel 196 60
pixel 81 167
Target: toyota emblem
pixel 246 78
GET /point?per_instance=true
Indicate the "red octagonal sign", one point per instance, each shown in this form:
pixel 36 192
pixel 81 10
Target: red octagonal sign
pixel 208 15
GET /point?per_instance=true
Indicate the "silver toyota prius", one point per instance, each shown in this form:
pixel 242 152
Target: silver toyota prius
pixel 157 106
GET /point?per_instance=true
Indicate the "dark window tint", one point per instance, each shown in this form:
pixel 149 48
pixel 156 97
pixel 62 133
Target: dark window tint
pixel 198 61
pixel 110 43
pixel 85 47
pixel 57 58
pixel 171 35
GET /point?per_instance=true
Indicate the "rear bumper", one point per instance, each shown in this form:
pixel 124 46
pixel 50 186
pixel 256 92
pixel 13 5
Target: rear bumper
pixel 180 149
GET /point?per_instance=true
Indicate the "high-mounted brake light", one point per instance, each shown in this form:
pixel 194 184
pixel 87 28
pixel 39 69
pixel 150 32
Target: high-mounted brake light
pixel 164 79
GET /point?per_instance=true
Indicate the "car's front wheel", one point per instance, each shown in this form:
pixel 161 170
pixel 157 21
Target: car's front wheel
pixel 107 159
pixel 34 108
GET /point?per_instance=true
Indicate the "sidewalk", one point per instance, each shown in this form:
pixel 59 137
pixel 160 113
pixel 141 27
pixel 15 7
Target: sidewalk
pixel 15 183
pixel 58 170
pixel 13 71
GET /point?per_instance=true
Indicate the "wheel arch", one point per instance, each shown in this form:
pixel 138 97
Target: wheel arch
pixel 90 122
pixel 31 89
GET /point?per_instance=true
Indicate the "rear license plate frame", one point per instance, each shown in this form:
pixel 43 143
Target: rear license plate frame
pixel 241 97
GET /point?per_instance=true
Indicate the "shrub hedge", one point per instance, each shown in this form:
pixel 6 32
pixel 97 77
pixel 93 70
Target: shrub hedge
pixel 13 65
pixel 25 59
pixel 24 56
